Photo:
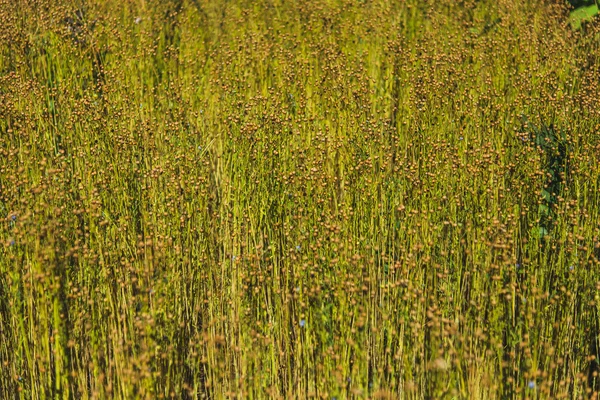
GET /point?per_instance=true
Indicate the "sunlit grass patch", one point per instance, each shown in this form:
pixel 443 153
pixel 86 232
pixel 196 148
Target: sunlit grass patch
pixel 330 199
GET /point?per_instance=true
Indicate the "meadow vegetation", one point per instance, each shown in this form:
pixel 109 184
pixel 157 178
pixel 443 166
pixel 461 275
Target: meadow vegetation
pixel 277 199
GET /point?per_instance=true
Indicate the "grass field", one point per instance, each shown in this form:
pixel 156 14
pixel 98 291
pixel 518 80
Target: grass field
pixel 332 199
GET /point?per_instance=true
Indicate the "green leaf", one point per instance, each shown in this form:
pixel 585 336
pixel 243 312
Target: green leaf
pixel 547 196
pixel 581 14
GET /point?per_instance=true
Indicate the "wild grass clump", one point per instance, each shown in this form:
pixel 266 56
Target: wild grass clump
pixel 555 148
pixel 328 199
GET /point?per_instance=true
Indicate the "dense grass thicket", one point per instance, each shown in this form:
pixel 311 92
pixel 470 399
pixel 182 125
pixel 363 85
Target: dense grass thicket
pixel 259 199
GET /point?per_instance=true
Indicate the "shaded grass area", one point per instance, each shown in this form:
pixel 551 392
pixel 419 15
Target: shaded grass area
pixel 331 199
